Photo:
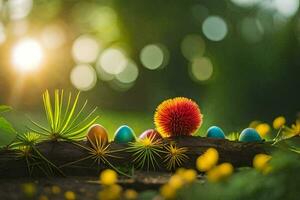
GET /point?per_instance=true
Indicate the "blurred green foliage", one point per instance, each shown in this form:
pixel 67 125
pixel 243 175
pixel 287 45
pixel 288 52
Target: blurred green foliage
pixel 281 183
pixel 248 183
pixel 254 77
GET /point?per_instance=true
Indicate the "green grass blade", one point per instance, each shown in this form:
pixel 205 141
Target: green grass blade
pixel 77 116
pixel 40 126
pixel 82 129
pixel 66 111
pixel 56 109
pixel 70 115
pixel 60 109
pixel 48 109
pixel 81 123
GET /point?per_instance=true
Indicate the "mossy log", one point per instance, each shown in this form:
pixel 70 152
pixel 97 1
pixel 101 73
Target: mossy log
pixel 66 156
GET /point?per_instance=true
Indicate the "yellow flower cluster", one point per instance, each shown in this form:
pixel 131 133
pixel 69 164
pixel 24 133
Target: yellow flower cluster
pixel 108 177
pixel 130 194
pixel 29 189
pixel 177 181
pixel 55 189
pixel 261 163
pixel 111 190
pixel 69 195
pixel 264 129
pixel 293 130
pixel 207 162
pixel 43 197
pixel 279 122
pixel 219 172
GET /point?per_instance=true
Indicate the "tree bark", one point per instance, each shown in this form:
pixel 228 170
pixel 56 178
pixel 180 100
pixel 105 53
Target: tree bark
pixel 62 154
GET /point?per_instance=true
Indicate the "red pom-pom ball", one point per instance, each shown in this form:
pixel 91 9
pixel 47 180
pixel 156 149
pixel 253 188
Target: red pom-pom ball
pixel 177 117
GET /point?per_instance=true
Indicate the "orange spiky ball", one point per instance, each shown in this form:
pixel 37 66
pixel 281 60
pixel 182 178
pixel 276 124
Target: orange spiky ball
pixel 177 117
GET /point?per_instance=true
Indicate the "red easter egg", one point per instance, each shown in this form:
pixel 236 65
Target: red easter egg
pixel 150 133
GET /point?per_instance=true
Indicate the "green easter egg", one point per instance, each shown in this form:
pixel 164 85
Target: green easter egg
pixel 124 134
pixel 249 135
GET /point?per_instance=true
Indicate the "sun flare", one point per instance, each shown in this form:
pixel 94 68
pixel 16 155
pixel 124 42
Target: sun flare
pixel 27 55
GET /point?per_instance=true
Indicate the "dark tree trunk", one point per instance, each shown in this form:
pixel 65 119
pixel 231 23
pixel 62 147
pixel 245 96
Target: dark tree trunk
pixel 62 154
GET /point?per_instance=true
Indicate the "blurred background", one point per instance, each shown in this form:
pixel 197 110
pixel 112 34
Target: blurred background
pixel 238 59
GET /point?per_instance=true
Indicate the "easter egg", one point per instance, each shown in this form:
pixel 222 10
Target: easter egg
pixel 215 132
pixel 124 134
pixel 150 133
pixel 249 135
pixel 97 134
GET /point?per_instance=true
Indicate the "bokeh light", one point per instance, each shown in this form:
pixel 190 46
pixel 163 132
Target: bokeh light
pixel 119 86
pixel 113 61
pixel 192 46
pixel 2 33
pixel 152 56
pixel 83 77
pixel 99 18
pixel 287 8
pixel 85 49
pixel 214 28
pixel 129 74
pixel 27 55
pixel 19 9
pixel 53 36
pixel 202 69
pixel 19 28
pixel 103 75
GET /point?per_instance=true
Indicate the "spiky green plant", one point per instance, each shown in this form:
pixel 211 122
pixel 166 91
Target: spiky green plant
pixel 26 148
pixel 28 139
pixel 99 152
pixel 65 122
pixel 233 136
pixel 146 152
pixel 175 156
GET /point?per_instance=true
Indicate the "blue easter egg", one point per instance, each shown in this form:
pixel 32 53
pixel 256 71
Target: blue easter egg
pixel 249 135
pixel 124 134
pixel 215 132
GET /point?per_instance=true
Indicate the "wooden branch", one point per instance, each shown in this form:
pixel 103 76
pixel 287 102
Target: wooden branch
pixel 60 153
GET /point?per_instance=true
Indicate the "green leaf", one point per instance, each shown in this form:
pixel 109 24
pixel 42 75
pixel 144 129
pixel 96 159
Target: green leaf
pixel 4 108
pixel 7 132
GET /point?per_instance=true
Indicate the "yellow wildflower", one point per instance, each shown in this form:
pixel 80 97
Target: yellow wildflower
pixel 279 122
pixel 108 177
pixel 180 171
pixel 220 172
pixel 225 169
pixel 254 124
pixel 29 189
pixel 55 189
pixel 69 195
pixel 189 175
pixel 207 160
pixel 176 182
pixel 167 191
pixel 130 194
pixel 263 129
pixel 293 130
pixel 260 162
pixel 296 127
pixel 110 192
pixel 43 197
